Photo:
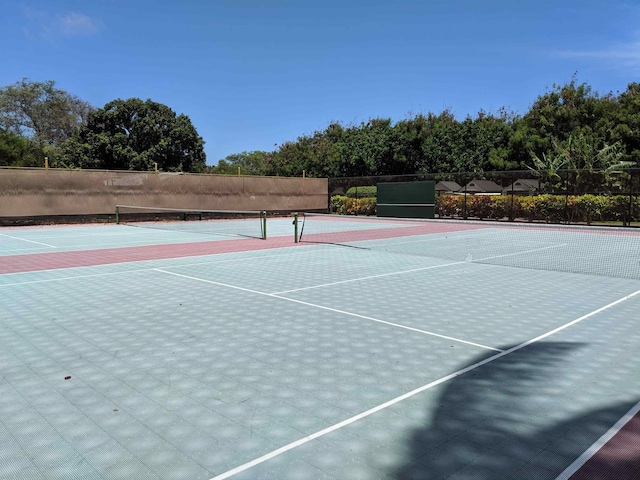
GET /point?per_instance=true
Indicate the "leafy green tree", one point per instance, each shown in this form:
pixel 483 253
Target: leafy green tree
pixel 410 135
pixel 368 149
pixel 626 124
pixel 318 155
pixel 41 112
pixel 248 163
pixel 591 163
pixel 17 151
pixel 561 112
pixel 136 135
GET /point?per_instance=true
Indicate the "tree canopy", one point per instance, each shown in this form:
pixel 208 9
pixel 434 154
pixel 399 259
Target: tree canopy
pixel 569 124
pixel 41 112
pixel 136 135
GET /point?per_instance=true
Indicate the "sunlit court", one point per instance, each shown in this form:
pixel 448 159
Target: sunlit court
pixel 335 348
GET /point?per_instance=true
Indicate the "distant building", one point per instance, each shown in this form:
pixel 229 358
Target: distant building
pixel 447 187
pixel 482 187
pixel 523 186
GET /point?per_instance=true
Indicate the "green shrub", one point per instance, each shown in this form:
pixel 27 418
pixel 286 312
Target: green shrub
pixel 360 206
pixel 503 206
pixel 636 210
pixel 479 206
pixel 617 209
pixel 449 205
pixel 591 207
pixel 550 208
pixel 527 207
pixel 343 205
pixel 363 192
pixel 338 204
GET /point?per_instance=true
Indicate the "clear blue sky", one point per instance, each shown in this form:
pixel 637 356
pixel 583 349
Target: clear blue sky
pixel 255 73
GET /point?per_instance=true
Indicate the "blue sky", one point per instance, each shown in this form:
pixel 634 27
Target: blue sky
pixel 252 74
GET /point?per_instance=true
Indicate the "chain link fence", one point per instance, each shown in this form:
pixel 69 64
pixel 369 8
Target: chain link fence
pixel 563 196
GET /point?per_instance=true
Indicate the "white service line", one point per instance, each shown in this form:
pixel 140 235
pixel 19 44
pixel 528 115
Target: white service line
pixel 520 253
pixel 322 307
pixel 400 272
pixel 348 421
pixel 25 240
pixel 591 451
pixel 418 269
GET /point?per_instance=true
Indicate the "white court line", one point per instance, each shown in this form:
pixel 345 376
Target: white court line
pixel 25 240
pixel 322 307
pixel 584 458
pixel 417 269
pixel 147 269
pixel 519 253
pixel 348 421
pixel 368 277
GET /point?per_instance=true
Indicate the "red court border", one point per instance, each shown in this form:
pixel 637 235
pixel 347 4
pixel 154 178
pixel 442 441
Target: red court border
pixel 87 258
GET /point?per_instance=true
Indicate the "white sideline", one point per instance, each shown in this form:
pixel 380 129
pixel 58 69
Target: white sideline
pixel 344 312
pixel 393 401
pixel 25 240
pixel 591 451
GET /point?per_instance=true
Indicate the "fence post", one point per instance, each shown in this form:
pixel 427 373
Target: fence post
pixel 629 220
pixel 511 215
pixel 464 203
pixel 566 201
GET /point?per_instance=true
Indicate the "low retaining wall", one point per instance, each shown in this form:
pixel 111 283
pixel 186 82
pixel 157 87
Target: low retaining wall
pixel 52 192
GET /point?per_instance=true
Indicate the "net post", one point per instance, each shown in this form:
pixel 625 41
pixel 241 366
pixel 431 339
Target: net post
pixel 117 215
pixel 264 225
pixel 295 228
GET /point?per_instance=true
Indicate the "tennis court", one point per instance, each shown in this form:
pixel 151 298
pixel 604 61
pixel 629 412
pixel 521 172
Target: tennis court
pixel 370 349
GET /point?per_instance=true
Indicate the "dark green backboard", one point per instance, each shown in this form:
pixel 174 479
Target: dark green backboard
pixel 407 199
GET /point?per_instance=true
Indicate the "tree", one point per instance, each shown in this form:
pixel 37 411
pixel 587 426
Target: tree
pixel 626 127
pixel 136 135
pixel 368 149
pixel 41 112
pixel 17 151
pixel 248 163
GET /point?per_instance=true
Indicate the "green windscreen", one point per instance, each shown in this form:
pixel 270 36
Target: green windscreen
pixel 406 199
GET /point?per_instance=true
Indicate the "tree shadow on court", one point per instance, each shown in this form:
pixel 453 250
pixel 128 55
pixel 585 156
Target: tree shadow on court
pixel 501 421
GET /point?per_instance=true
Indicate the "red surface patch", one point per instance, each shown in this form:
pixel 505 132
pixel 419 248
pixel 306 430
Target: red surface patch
pixel 618 459
pixel 87 258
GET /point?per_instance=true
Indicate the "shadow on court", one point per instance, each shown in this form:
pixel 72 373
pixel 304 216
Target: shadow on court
pixel 510 419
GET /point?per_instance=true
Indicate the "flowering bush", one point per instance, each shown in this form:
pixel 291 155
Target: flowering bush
pixel 548 208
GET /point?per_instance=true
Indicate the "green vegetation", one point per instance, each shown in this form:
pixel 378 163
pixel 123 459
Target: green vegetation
pixel 568 127
pixel 547 208
pixel 352 206
pixel 245 163
pixel 38 121
pixel 135 135
pixel 363 192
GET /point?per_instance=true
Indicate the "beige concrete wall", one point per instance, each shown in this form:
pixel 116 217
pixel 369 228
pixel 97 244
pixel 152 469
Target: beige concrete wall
pixel 67 192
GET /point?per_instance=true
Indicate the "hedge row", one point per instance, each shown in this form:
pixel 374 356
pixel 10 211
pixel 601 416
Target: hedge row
pixel 362 192
pixel 344 205
pixel 550 208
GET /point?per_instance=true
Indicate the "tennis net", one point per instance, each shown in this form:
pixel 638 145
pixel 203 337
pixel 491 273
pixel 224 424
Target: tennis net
pixel 235 223
pixel 606 251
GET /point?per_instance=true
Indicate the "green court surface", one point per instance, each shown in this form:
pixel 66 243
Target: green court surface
pixel 461 354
